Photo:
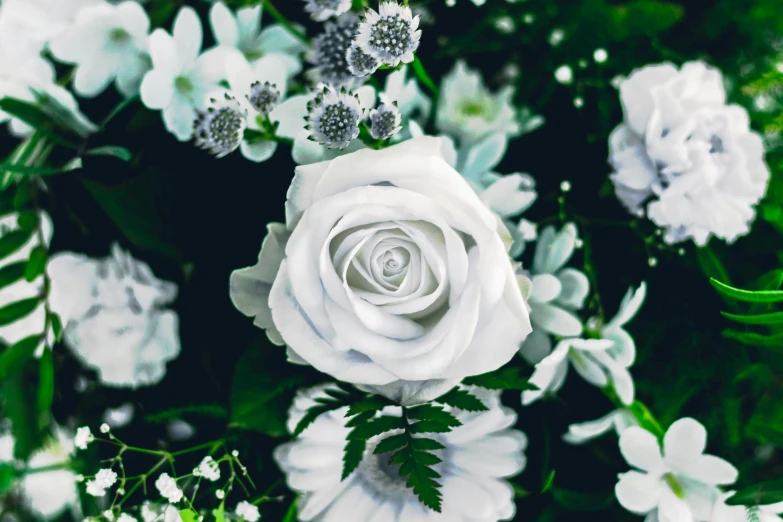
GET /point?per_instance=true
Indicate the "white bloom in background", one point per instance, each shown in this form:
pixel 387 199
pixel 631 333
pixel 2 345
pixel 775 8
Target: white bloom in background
pixel 390 35
pixel 680 482
pixel 247 511
pixel 411 101
pixel 685 158
pixel 107 43
pixel 624 349
pixel 83 437
pixel 242 31
pixel 406 277
pixel 220 128
pixel 479 455
pixel 208 469
pixel 168 489
pixel 180 80
pixel 333 118
pixel 124 517
pixel 616 420
pixel 385 121
pixel 114 317
pixel 321 10
pixel 469 112
pixel 329 54
pixel 557 292
pixel 103 480
pixel 590 359
pixel 724 513
pixel 120 416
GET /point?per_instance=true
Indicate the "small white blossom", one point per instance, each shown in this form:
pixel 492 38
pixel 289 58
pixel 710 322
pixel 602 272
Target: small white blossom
pixel 108 515
pixel 556 37
pixel 529 18
pixel 119 416
pixel 329 53
pixel 149 512
pixel 94 489
pixel 168 489
pixel 220 128
pixel 208 469
pixel 391 34
pixel 582 432
pixel 83 437
pixel 124 517
pixel 247 511
pixel 679 482
pixel 505 24
pixel 579 102
pixel 333 118
pixel 600 55
pixel 105 428
pixel 220 494
pixel 360 63
pixel 564 74
pixel 106 478
pixel 565 186
pixel 321 10
pixel 235 453
pixel 385 121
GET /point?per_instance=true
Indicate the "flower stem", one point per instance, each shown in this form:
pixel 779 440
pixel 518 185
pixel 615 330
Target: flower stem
pixel 421 74
pixel 282 20
pixel 215 444
pixel 45 469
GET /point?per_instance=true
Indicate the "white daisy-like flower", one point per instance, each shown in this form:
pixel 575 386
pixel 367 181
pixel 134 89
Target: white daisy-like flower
pixel 113 315
pixel 247 512
pixel 557 292
pixel 685 158
pixel 617 420
pixel 390 35
pixel 590 359
pixel 478 456
pixel 724 513
pixel 220 128
pixel 385 121
pixel 360 64
pixel 321 10
pixel 624 349
pixel 107 43
pixel 180 80
pixel 242 31
pixel 333 118
pixel 680 481
pixel 168 489
pixel 208 469
pixel 329 54
pixel 103 480
pixel 83 437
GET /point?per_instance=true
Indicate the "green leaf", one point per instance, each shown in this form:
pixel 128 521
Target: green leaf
pixel 291 514
pixel 427 426
pixel 15 311
pixel 7 473
pixel 361 418
pixel 19 391
pixel 32 170
pixel 13 241
pixel 57 326
pixel 508 378
pixel 762 493
pixel 548 481
pixel 64 117
pixel 12 273
pixel 23 195
pixel 751 296
pixel 310 417
pixel 462 400
pixel 424 444
pixel 391 443
pixel 376 427
pixel 420 479
pixel 754 339
pixel 433 413
pixel 45 387
pixel 352 456
pixel 14 357
pixel 188 515
pixel 369 403
pixel 220 512
pixel 111 150
pixel 28 220
pixel 36 264
pixel 711 265
pixel 770 318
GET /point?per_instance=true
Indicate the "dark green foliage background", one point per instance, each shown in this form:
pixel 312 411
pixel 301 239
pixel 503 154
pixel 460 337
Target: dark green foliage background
pixel 195 219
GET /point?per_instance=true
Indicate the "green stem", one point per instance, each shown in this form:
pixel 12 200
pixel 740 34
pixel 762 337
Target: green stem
pixel 45 469
pixel 142 480
pixel 421 74
pixel 212 444
pixel 282 20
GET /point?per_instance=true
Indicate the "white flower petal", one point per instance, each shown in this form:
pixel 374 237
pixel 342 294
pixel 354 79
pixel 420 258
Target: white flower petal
pixel 548 375
pixel 640 449
pixel 638 492
pixel 684 440
pixel 546 287
pixel 179 116
pixel 484 156
pixel 554 319
pixel 258 151
pixel 537 346
pixel 157 90
pixel 224 25
pixel 553 250
pixel 188 37
pixel 575 287
pixel 673 509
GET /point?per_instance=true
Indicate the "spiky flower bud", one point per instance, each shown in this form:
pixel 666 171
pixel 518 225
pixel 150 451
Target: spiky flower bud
pixel 385 121
pixel 333 118
pixel 221 127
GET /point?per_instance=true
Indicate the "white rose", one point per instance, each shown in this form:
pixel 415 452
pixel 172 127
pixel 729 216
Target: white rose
pixel 394 272
pixel 684 156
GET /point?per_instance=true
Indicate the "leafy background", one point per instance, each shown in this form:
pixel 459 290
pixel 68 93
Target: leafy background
pixel 195 219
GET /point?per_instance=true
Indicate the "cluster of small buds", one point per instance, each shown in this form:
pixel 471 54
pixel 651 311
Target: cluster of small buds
pixel 330 52
pixel 390 35
pixel 321 10
pixel 333 118
pixel 385 121
pixel 221 127
pixel 263 97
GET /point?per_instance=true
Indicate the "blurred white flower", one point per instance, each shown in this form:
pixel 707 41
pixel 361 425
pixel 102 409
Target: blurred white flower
pixel 247 511
pixel 684 157
pixel 330 51
pixel 181 80
pixel 582 432
pixel 724 513
pixel 390 35
pixel 124 517
pixel 113 316
pixel 83 437
pixel 680 482
pixel 180 430
pixel 168 489
pixel 557 292
pixel 478 456
pixel 120 416
pixel 469 112
pixel 107 43
pixel 321 10
pixel 208 469
pixel 564 74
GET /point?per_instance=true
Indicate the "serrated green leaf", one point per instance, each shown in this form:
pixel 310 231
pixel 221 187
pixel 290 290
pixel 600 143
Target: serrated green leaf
pixel 508 378
pixel 401 456
pixel 338 395
pixel 18 310
pixel 14 357
pixel 376 427
pixel 111 150
pixel 188 515
pixel 12 273
pixel 361 418
pixel 750 296
pixel 352 456
pixel 762 493
pixel 309 418
pixel 422 443
pixel 428 459
pixel 427 426
pixel 36 263
pixel 7 473
pixel 754 339
pixel 770 318
pixel 391 443
pixel 462 400
pixel 13 241
pixel 433 413
pixel 370 403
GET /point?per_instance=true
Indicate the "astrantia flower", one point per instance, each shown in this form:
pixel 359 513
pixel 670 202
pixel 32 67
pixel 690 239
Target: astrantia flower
pixel 114 317
pixel 680 482
pixel 329 54
pixel 391 35
pixel 208 469
pixel 107 43
pixel 321 10
pixel 180 80
pixel 385 121
pixel 393 274
pixel 478 456
pixel 247 511
pixel 469 112
pixel 582 432
pixel 263 97
pixel 220 128
pixel 333 118
pixel 685 158
pixel 359 62
pixel 83 437
pixel 168 489
pixel 557 292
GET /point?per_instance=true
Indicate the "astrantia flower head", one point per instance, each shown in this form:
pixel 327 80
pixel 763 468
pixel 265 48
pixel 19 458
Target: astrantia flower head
pixel 263 97
pixel 385 121
pixel 359 62
pixel 221 127
pixel 321 10
pixel 685 158
pixel 390 36
pixel 330 52
pixel 208 469
pixel 247 511
pixel 168 489
pixel 333 118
